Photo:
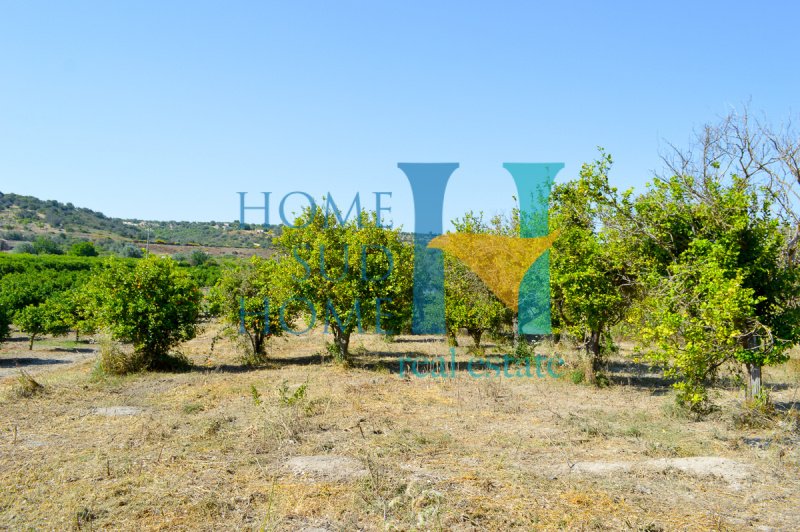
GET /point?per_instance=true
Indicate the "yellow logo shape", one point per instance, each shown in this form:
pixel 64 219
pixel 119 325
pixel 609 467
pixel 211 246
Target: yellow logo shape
pixel 500 261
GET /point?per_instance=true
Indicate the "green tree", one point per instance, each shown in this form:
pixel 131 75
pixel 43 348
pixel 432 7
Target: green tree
pixel 716 239
pixel 32 286
pixel 469 304
pixel 45 318
pixel 46 246
pixel 255 298
pixel 31 321
pixel 591 286
pixel 78 308
pixel 83 249
pixel 720 226
pixel 154 305
pixel 352 275
pixel 697 316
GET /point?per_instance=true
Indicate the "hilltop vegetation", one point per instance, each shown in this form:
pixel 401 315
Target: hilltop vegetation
pixel 23 218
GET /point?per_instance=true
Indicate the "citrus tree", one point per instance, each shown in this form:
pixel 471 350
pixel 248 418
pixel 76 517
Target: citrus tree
pixel 5 321
pixel 44 318
pixel 721 286
pixel 349 274
pixel 590 283
pixel 153 304
pixel 255 299
pixel 468 302
pixel 77 306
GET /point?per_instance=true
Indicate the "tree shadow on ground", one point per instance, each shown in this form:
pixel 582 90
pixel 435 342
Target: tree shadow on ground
pixel 74 350
pixel 16 339
pixel 785 406
pixel 22 362
pixel 270 363
pixel 639 375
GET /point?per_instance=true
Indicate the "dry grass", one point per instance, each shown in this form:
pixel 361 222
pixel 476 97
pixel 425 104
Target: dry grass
pixel 209 448
pixel 26 386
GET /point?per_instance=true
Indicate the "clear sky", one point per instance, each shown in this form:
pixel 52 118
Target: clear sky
pixel 164 110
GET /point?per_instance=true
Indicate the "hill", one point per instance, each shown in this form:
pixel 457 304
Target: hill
pixel 23 218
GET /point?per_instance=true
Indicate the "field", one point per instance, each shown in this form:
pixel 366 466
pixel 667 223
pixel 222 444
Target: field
pixel 304 444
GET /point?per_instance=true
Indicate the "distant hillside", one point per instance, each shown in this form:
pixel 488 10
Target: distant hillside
pixel 23 218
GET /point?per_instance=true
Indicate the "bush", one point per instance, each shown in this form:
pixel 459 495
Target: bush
pixel 198 258
pixel 26 386
pixel 45 318
pixel 115 360
pixel 25 247
pixel 46 246
pixel 83 249
pixel 154 305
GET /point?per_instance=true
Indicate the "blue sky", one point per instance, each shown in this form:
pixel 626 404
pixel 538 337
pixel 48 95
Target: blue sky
pixel 164 110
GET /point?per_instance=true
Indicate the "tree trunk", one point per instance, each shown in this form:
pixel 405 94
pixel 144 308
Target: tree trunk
pixel 592 357
pixel 515 331
pixel 30 345
pixel 476 335
pixel 452 340
pixel 752 370
pixel 258 343
pixel 342 341
pixel 753 381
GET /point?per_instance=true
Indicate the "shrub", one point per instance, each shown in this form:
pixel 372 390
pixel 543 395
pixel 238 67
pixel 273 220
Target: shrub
pixel 26 386
pixel 83 249
pixel 115 360
pixel 154 305
pixel 46 246
pixel 25 247
pixel 198 258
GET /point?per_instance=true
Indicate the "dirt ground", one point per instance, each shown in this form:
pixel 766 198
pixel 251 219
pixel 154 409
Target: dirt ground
pixel 303 444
